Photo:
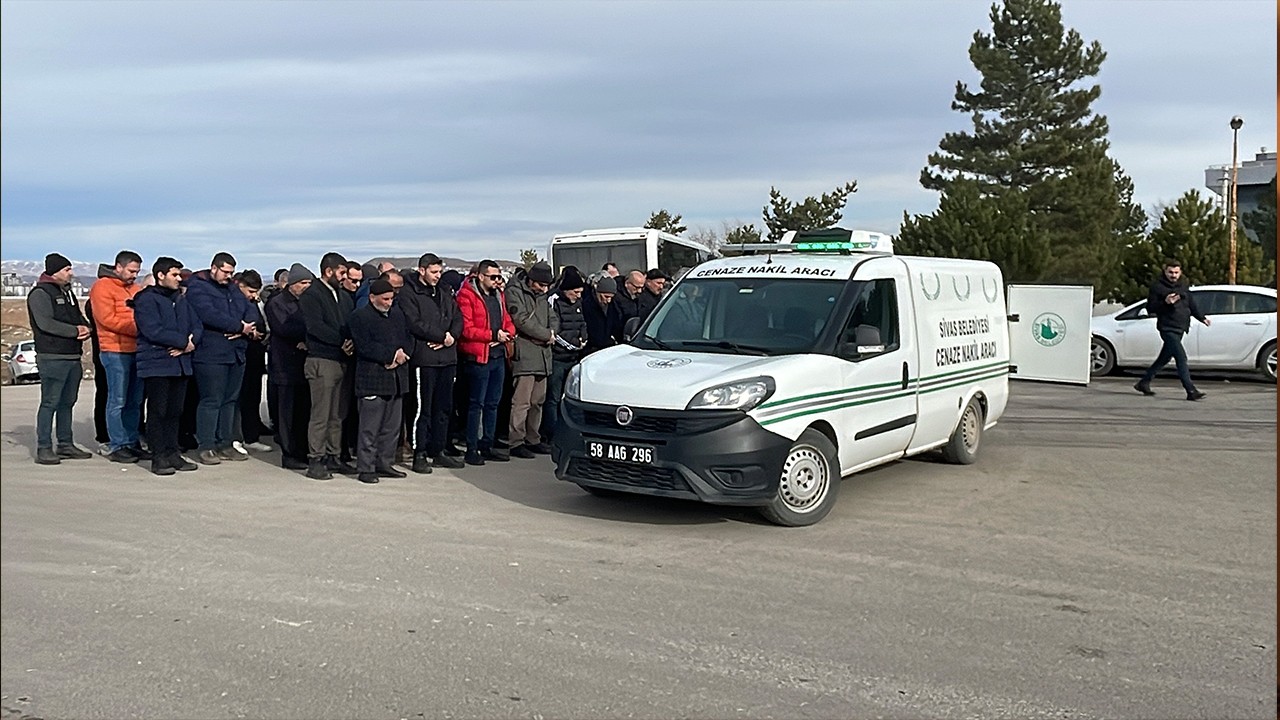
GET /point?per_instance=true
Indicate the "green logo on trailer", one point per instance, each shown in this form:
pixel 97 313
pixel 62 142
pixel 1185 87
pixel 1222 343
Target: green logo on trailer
pixel 1049 329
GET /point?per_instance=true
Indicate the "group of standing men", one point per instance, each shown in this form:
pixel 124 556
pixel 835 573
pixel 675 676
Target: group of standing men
pixel 353 358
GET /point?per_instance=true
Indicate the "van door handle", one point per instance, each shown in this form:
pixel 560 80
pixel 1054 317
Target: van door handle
pixel 1253 322
pixel 904 376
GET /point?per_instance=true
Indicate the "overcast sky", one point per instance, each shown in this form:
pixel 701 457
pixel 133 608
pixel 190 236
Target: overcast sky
pixel 280 130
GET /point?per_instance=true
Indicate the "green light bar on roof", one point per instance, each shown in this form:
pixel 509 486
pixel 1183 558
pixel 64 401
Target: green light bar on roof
pixel 825 246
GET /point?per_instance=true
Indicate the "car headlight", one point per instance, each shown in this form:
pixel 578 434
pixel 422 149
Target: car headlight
pixel 737 395
pixel 573 383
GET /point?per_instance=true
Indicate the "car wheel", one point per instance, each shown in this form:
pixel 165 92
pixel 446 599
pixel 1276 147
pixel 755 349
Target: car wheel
pixel 809 483
pixel 1102 357
pixel 1267 361
pixel 962 448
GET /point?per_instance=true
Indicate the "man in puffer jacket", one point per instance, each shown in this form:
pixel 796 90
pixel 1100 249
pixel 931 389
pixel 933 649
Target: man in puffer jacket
pixel 531 363
pixel 1173 306
pixel 486 328
pixel 168 332
pixel 118 343
pixel 568 348
pixel 229 322
pixel 436 324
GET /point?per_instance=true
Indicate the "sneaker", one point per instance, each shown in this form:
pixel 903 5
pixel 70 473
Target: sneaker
pixel 474 458
pixel 181 464
pixel 122 455
pixel 421 464
pixel 1144 388
pixel 231 454
pixel 238 446
pixel 540 449
pixel 159 467
pixel 1196 395
pixel 318 470
pixel 258 447
pixel 445 461
pixel 209 457
pixel 368 478
pixel 46 456
pixel 73 453
pixel 523 452
pixel 388 471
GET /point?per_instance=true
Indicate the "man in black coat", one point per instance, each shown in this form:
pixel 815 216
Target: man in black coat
pixel 287 353
pixel 436 325
pixel 383 345
pixel 1173 306
pixel 626 304
pixel 595 312
pixel 327 308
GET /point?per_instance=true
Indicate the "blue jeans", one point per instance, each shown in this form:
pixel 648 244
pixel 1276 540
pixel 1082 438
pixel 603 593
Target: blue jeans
pixel 485 382
pixel 1172 349
pixel 219 389
pixel 59 387
pixel 124 399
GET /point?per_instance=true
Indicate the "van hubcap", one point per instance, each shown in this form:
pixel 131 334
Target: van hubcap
pixel 805 479
pixel 970 429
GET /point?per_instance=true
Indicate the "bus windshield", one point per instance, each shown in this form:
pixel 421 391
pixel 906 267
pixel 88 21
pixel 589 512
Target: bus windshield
pixel 752 316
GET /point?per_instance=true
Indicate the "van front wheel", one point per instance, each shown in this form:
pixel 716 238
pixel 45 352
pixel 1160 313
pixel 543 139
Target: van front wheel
pixel 962 448
pixel 809 482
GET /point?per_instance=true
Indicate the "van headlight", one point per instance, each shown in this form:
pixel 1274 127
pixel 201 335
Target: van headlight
pixel 573 383
pixel 737 395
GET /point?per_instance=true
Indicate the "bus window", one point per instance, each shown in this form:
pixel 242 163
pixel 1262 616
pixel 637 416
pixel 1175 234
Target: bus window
pixel 673 256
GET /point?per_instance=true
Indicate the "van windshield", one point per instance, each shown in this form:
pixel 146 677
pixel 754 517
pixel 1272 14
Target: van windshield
pixel 749 316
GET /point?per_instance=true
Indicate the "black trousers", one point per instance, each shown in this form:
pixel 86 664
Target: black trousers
pixel 435 404
pixel 99 397
pixel 255 366
pixel 166 398
pixel 293 412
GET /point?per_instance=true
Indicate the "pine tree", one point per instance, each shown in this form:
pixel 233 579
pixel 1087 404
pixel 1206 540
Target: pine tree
pixel 666 222
pixel 529 257
pixel 1194 232
pixel 812 213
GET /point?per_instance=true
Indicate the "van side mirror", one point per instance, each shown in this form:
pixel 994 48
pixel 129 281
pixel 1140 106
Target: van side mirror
pixel 630 328
pixel 866 341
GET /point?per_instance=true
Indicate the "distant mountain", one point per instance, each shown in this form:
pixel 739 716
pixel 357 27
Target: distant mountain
pixel 450 263
pixel 30 270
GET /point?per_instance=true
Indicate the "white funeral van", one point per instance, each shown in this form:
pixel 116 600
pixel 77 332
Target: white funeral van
pixel 761 380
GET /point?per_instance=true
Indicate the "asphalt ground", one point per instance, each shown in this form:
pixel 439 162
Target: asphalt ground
pixel 1108 556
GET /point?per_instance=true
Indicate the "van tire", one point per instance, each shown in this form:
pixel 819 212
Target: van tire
pixel 962 448
pixel 808 484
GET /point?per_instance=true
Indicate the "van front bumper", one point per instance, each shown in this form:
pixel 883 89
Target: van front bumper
pixel 716 456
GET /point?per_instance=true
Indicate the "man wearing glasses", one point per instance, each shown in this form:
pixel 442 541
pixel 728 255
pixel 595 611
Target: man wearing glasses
pixel 486 328
pixel 626 304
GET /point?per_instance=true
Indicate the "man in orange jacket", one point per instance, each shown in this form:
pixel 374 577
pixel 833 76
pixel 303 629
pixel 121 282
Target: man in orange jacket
pixel 112 297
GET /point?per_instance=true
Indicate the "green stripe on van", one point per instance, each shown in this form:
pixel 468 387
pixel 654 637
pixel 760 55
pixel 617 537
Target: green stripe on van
pixel 863 388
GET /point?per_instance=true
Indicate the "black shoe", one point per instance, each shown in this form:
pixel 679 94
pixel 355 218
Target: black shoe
pixel 292 463
pixel 501 444
pixel 444 461
pixel 452 450
pixel 180 463
pixel 495 455
pixel 388 471
pixel 474 458
pixel 540 449
pixel 141 454
pixel 1196 395
pixel 523 452
pixel 368 478
pixel 421 464
pixel 209 457
pixel 123 455
pixel 160 467
pixel 318 470
pixel 73 453
pixel 1144 388
pixel 46 456
pixel 230 454
pixel 342 467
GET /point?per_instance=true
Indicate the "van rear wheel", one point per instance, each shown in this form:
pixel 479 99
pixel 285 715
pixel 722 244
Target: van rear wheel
pixel 809 483
pixel 962 448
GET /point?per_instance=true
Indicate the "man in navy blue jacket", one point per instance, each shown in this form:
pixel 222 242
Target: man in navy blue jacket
pixel 229 321
pixel 168 333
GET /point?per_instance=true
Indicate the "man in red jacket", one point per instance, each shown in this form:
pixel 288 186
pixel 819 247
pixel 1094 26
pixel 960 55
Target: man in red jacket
pixel 486 328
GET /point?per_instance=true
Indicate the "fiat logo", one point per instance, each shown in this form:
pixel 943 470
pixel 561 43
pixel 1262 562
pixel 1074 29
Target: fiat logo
pixel 624 416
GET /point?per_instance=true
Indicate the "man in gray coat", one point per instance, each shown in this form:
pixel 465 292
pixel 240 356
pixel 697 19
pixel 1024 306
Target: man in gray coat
pixel 531 363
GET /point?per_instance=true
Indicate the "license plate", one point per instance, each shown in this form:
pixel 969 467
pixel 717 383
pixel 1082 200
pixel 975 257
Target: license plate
pixel 618 452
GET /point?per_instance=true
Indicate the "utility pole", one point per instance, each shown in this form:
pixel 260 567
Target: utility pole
pixel 1236 123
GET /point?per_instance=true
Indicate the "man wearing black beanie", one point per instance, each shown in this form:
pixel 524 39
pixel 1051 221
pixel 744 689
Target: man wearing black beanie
pixel 60 330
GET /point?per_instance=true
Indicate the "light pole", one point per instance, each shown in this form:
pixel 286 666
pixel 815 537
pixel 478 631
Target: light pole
pixel 1236 123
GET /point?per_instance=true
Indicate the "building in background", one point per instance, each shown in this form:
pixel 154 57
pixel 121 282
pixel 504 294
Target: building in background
pixel 1253 178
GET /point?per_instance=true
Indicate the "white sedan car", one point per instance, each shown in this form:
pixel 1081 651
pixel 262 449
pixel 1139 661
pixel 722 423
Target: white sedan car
pixel 1242 336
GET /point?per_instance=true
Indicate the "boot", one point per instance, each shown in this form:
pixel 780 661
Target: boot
pixel 445 461
pixel 318 469
pixel 46 456
pixel 421 464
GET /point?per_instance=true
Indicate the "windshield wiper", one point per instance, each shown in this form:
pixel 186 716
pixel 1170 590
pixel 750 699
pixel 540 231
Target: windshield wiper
pixel 726 345
pixel 661 345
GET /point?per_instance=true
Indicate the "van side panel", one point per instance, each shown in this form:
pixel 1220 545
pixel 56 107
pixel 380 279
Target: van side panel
pixel 961 325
